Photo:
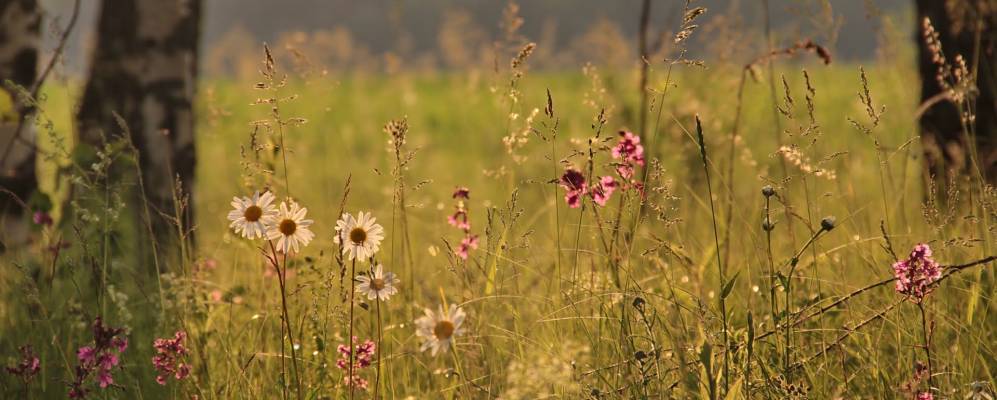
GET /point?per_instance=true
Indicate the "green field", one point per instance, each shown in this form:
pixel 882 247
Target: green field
pixel 592 302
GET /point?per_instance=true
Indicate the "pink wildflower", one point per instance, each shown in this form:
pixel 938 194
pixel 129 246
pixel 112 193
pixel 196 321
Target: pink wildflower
pixel 42 218
pixel 466 244
pixel 459 219
pixel 630 153
pixel 363 359
pixel 925 396
pixel 916 273
pixel 169 358
pixel 28 366
pixel 99 359
pixel 573 183
pixel 605 188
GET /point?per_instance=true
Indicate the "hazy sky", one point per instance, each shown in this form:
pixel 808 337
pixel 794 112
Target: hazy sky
pixel 371 21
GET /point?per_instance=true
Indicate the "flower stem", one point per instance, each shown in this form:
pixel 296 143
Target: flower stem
pixel 281 278
pixel 353 283
pixel 927 341
pixel 380 339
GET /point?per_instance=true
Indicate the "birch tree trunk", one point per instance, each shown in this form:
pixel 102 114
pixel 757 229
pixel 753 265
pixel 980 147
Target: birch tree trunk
pixel 144 69
pixel 20 23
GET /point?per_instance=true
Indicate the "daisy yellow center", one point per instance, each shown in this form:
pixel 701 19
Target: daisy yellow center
pixel 253 213
pixel 358 235
pixel 443 330
pixel 377 283
pixel 287 227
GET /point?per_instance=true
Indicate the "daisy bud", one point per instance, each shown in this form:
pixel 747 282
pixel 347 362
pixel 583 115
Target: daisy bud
pixel 827 223
pixel 768 191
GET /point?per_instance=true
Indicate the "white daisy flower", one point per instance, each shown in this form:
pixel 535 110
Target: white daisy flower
pixel 362 235
pixel 381 285
pixel 250 216
pixel 437 329
pixel 290 228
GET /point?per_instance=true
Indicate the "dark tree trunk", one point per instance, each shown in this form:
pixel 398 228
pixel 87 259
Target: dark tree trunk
pixel 144 69
pixel 20 23
pixel 966 28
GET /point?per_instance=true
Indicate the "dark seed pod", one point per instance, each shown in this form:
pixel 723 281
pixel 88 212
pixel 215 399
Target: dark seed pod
pixel 768 191
pixel 827 223
pixel 767 225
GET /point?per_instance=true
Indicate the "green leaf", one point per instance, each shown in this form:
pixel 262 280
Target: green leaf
pixel 783 280
pixel 729 286
pixel 706 358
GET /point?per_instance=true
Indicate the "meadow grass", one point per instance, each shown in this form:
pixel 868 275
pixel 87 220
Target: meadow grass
pixel 591 302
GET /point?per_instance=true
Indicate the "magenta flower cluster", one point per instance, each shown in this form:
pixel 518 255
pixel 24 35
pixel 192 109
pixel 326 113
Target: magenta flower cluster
pixel 169 358
pixel 363 358
pixel 916 273
pixel 630 154
pixel 575 188
pixel 459 219
pixel 28 366
pixel 98 360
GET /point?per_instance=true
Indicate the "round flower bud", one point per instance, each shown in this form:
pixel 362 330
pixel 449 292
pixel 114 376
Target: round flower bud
pixel 768 191
pixel 827 223
pixel 767 225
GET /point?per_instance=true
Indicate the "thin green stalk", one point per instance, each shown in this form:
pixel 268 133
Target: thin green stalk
pixel 353 290
pixel 926 337
pixel 720 266
pixel 380 340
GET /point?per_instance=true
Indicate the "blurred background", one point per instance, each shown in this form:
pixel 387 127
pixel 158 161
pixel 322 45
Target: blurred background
pixel 389 35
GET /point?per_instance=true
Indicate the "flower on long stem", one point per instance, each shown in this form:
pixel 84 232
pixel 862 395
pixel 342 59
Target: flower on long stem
pixel 251 216
pixel 438 329
pixel 169 358
pixel 290 228
pixel 360 237
pixel 629 152
pixel 351 362
pixel 98 359
pixel 379 285
pixel 460 220
pixel 28 366
pixel 916 273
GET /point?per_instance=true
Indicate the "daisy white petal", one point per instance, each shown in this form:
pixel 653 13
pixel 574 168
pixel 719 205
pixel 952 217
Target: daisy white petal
pixel 290 228
pixel 251 215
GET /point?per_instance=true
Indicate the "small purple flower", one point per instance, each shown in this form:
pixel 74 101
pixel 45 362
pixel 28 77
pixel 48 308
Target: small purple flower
pixel 459 219
pixel 916 273
pixel 98 360
pixel 86 355
pixel 169 358
pixel 605 188
pixel 41 218
pixel 573 183
pixel 364 357
pixel 461 193
pixel 630 153
pixel 466 244
pixel 28 366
